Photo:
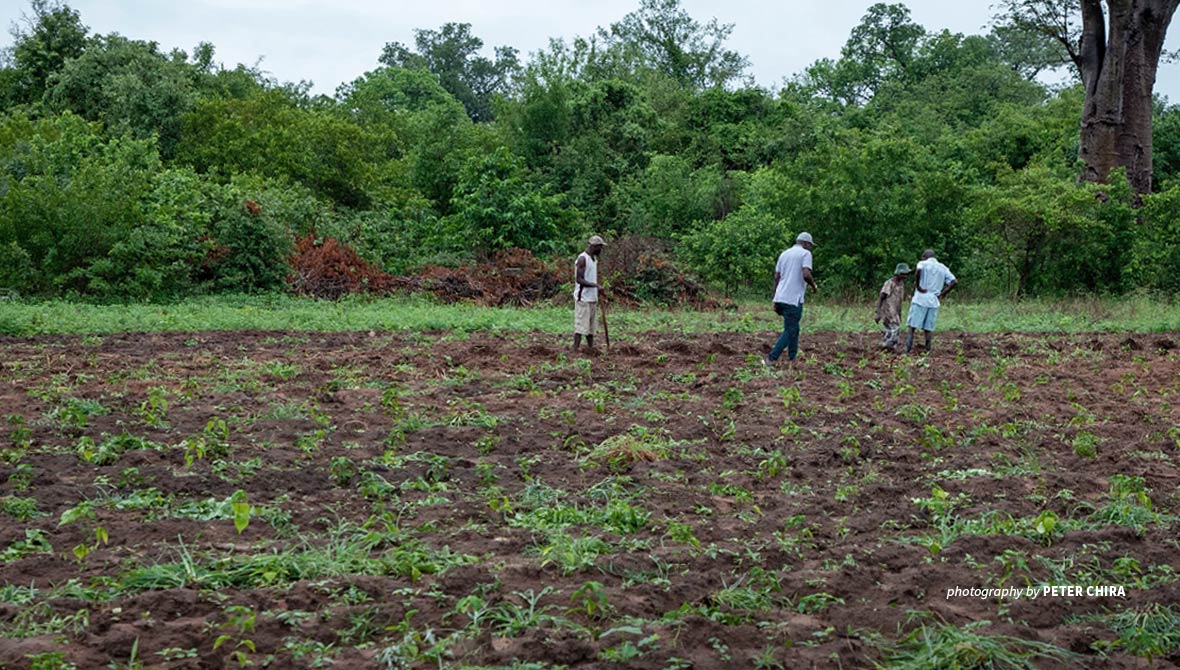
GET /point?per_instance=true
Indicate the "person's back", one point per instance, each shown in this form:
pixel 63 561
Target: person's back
pixel 791 285
pixel 792 276
pixel 933 276
pixel 935 280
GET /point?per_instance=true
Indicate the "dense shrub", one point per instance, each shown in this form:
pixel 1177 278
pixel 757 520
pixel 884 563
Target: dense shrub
pixel 69 198
pixel 739 250
pixel 247 248
pixel 1156 262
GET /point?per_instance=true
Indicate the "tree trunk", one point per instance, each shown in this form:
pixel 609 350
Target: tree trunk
pixel 1118 68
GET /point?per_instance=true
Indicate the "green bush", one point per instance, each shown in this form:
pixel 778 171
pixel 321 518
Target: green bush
pixel 737 251
pixel 68 199
pixel 1040 233
pixel 248 244
pixel 497 207
pixel 1156 263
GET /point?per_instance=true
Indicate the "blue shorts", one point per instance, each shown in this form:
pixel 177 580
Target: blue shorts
pixel 922 317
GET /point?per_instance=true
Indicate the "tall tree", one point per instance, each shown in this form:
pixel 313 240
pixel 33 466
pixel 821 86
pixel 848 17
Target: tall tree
pixel 662 36
pixel 881 49
pixel 52 35
pixel 1116 49
pixel 452 54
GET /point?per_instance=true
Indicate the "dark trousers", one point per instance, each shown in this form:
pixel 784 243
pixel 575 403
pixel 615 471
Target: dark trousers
pixel 789 340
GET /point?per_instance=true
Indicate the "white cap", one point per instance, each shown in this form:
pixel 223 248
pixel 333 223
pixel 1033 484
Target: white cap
pixel 804 237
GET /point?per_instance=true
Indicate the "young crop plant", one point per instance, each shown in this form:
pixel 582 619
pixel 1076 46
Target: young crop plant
pixel 238 626
pixel 111 448
pixel 590 599
pixel 777 463
pixel 19 436
pixel 1085 444
pixel 154 410
pixel 73 414
pixel 342 470
pixel 212 443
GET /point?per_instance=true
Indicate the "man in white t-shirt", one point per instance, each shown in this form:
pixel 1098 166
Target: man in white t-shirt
pixel 934 282
pixel 586 288
pixel 792 276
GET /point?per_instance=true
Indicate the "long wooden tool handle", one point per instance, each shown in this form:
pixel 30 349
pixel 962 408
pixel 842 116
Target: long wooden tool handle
pixel 605 329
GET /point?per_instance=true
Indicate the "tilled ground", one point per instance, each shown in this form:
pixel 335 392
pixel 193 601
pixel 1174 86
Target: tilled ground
pixel 432 500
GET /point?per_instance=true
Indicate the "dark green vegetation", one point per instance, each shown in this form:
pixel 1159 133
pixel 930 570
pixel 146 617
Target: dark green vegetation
pixel 417 501
pixel 130 173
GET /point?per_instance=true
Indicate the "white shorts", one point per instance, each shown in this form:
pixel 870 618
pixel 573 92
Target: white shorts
pixel 585 317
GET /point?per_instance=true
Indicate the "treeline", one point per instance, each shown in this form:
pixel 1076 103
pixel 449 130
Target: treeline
pixel 131 173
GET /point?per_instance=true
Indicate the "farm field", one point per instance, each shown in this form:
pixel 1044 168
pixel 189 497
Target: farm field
pixel 442 499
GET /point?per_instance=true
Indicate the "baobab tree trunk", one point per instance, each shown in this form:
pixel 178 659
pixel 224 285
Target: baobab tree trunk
pixel 1118 68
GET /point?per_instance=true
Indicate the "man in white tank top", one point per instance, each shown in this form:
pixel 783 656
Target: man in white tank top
pixel 586 288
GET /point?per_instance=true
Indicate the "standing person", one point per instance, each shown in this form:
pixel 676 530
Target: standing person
pixel 889 306
pixel 586 289
pixel 934 281
pixel 792 276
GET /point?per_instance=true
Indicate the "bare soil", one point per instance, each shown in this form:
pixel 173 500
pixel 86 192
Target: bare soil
pixel 776 518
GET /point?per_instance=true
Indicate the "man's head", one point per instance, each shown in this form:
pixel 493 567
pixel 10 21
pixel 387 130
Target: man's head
pixel 929 253
pixel 901 271
pixel 804 240
pixel 595 245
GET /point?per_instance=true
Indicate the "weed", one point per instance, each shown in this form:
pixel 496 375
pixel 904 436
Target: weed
pixel 1152 632
pixel 34 542
pixel 40 619
pixel 50 660
pixel 621 451
pixel 21 509
pixel 108 451
pixel 1128 506
pixel 936 645
pixel 512 618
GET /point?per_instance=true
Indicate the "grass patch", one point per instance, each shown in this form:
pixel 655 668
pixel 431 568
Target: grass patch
pixel 281 312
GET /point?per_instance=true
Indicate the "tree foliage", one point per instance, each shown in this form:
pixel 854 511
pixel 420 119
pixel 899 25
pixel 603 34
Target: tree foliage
pixel 131 173
pixel 451 54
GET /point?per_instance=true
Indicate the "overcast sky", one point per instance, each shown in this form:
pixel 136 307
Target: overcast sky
pixel 330 43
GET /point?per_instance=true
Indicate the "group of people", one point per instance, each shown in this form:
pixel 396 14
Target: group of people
pixel 792 276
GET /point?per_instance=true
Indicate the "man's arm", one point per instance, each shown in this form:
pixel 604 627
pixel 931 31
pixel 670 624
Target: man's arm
pixel 918 281
pixel 778 276
pixel 580 276
pixel 807 278
pixel 947 290
pixel 880 301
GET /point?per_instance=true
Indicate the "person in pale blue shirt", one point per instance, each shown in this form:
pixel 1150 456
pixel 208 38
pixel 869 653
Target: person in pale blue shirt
pixel 792 276
pixel 934 281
